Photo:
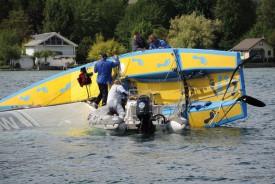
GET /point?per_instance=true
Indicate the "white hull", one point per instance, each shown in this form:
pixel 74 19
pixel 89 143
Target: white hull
pixel 58 115
pixel 76 114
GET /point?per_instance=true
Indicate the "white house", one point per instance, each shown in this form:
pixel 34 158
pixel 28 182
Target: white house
pixel 247 47
pixel 64 48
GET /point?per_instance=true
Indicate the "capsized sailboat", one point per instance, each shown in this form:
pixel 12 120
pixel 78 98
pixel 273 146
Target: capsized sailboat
pixel 171 88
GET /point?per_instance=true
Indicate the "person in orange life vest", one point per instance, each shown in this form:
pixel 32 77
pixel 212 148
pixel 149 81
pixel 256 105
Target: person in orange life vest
pixel 104 70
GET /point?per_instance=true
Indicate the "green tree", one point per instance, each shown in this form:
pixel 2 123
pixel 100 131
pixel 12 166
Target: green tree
pixel 110 47
pixel 271 37
pixel 144 28
pixel 19 22
pixel 35 13
pixel 266 13
pixel 19 4
pixel 5 7
pixel 265 26
pixel 148 12
pixel 83 49
pixel 9 48
pixel 86 21
pixel 205 7
pixel 193 31
pixel 44 54
pixel 236 20
pixel 110 12
pixel 59 17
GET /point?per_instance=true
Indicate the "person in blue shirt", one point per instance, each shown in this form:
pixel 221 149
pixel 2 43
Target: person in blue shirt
pixel 157 43
pixel 104 77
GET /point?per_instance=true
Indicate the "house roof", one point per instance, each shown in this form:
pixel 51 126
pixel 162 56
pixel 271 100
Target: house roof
pixel 39 38
pixel 247 44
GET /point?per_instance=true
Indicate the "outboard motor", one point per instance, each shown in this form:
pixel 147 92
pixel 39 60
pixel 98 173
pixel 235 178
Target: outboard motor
pixel 144 114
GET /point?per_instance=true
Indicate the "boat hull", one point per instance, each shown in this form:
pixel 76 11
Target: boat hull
pixel 73 114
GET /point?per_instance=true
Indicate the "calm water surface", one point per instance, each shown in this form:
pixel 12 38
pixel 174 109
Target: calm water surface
pixel 240 153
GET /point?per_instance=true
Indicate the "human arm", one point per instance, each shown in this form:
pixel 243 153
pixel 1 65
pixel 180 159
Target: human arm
pixel 163 44
pixel 134 46
pixel 95 68
pixel 152 46
pixel 121 89
pixel 145 44
pixel 116 63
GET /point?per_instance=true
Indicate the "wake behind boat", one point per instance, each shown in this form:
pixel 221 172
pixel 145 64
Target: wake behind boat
pixel 180 87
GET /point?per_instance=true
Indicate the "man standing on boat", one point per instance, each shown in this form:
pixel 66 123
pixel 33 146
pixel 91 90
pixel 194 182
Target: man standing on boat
pixel 157 43
pixel 139 43
pixel 114 101
pixel 104 77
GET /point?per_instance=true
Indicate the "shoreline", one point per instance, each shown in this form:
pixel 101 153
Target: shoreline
pixel 260 65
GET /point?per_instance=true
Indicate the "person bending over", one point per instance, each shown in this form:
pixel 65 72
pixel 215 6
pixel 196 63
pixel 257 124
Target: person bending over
pixel 139 43
pixel 114 101
pixel 157 43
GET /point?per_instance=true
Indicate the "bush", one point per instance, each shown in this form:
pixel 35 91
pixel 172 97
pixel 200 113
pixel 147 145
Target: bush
pixel 2 63
pixel 110 47
pixel 271 60
pixel 257 60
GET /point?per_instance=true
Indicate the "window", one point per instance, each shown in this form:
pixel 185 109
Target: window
pixel 58 52
pixel 54 41
pixel 269 53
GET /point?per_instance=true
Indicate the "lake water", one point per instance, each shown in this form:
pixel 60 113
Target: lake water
pixel 243 152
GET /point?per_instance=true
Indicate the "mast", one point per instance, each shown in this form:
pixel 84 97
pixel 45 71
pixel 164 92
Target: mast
pixel 184 80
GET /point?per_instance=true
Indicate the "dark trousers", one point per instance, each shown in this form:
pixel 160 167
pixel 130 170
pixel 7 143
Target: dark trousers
pixel 103 89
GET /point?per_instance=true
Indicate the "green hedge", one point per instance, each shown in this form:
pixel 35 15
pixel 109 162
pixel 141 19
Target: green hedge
pixel 263 61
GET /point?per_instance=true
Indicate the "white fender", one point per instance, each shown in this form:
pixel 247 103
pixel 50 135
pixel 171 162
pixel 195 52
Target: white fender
pixel 177 124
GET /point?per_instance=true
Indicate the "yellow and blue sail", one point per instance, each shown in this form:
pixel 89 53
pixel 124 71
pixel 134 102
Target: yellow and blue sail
pixel 156 72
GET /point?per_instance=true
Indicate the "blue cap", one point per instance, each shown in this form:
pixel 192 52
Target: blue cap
pixel 104 55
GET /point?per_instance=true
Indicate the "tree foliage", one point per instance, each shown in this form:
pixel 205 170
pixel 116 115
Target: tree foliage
pixel 110 47
pixel 9 45
pixel 205 7
pixel 265 26
pixel 81 20
pixel 94 16
pixel 86 20
pixel 44 54
pixel 19 22
pixel 83 49
pixel 35 12
pixel 142 12
pixel 193 31
pixel 110 12
pixel 267 13
pixel 5 7
pixel 236 20
pixel 58 17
